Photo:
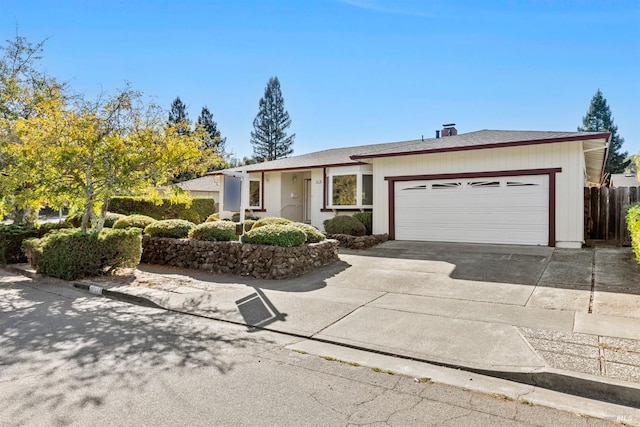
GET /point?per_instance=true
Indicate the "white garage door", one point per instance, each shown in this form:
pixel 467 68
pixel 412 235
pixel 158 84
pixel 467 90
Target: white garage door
pixel 511 210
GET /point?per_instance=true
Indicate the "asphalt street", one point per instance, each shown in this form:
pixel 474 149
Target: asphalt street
pixel 70 358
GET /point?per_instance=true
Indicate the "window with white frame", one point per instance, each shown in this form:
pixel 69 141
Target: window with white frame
pixel 255 191
pixel 350 190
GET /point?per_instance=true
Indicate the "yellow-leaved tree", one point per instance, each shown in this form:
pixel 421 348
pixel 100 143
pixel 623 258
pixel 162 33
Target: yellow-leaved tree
pixel 22 88
pixel 64 150
pixel 116 145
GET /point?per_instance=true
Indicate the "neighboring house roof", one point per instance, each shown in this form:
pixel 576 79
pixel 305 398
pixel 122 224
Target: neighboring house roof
pixel 204 183
pixel 624 180
pixel 482 139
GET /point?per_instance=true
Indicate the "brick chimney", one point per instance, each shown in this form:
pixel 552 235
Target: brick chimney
pixel 449 130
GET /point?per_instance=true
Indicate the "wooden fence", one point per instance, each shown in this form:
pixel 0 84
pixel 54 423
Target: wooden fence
pixel 605 210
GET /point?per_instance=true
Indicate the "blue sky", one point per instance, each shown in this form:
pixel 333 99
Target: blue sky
pixel 352 71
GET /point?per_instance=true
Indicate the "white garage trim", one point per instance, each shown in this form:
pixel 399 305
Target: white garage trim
pixel 466 207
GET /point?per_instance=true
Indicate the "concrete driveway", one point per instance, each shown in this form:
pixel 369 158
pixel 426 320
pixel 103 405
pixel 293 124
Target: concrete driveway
pixel 507 310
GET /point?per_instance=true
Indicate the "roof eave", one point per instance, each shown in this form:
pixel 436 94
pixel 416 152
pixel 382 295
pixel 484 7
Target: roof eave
pixel 483 146
pixel 319 166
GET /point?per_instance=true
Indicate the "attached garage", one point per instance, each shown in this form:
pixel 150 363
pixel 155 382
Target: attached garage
pixel 500 209
pixel 487 186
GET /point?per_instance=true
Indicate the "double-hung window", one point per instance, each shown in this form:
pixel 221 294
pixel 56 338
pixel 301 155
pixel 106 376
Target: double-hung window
pixel 255 192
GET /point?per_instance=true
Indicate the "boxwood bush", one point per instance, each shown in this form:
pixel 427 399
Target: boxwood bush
pixel 73 254
pixel 215 231
pixel 248 224
pixel 176 228
pixel 139 221
pixel 285 235
pixel 12 236
pixel 366 218
pixel 313 234
pixel 75 219
pixel 343 224
pixel 633 223
pixel 271 220
pixel 110 219
pixel 236 217
pixel 213 217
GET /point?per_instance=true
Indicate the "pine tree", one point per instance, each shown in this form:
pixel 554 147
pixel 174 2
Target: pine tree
pixel 598 119
pixel 269 137
pixel 213 139
pixel 179 118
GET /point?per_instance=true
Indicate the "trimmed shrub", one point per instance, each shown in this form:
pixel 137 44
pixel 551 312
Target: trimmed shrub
pixel 633 223
pixel 215 231
pixel 313 234
pixel 110 219
pixel 213 217
pixel 176 228
pixel 73 254
pixel 236 217
pixel 270 220
pixel 74 220
pixel 139 221
pixel 248 224
pixel 285 235
pixel 366 218
pixel 343 224
pixel 200 208
pixel 12 236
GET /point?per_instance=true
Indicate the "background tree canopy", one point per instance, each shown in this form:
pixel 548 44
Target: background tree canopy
pixel 269 136
pixel 599 119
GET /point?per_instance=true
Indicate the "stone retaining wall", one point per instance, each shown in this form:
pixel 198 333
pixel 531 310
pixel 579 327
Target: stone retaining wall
pixel 267 262
pixel 359 242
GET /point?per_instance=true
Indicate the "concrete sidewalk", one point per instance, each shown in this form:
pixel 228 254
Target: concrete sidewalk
pixel 568 320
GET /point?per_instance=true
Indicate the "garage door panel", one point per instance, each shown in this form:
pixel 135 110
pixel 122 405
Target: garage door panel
pixel 495 210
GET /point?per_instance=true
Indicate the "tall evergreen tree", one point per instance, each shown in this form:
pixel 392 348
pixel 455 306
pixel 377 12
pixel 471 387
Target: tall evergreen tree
pixel 214 140
pixel 599 119
pixel 178 117
pixel 269 136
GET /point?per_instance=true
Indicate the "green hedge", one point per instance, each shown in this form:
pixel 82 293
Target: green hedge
pixel 343 224
pixel 366 218
pixel 201 208
pixel 633 223
pixel 175 228
pixel 138 221
pixel 285 235
pixel 74 254
pixel 214 231
pixel 12 236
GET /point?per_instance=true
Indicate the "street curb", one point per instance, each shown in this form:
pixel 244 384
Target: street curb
pixel 121 296
pixel 584 385
pixel 16 270
pixel 577 384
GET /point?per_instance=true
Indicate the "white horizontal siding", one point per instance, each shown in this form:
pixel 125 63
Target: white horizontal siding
pixel 565 155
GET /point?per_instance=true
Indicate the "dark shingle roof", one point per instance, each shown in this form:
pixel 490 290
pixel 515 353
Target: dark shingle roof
pixel 467 141
pixel 477 140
